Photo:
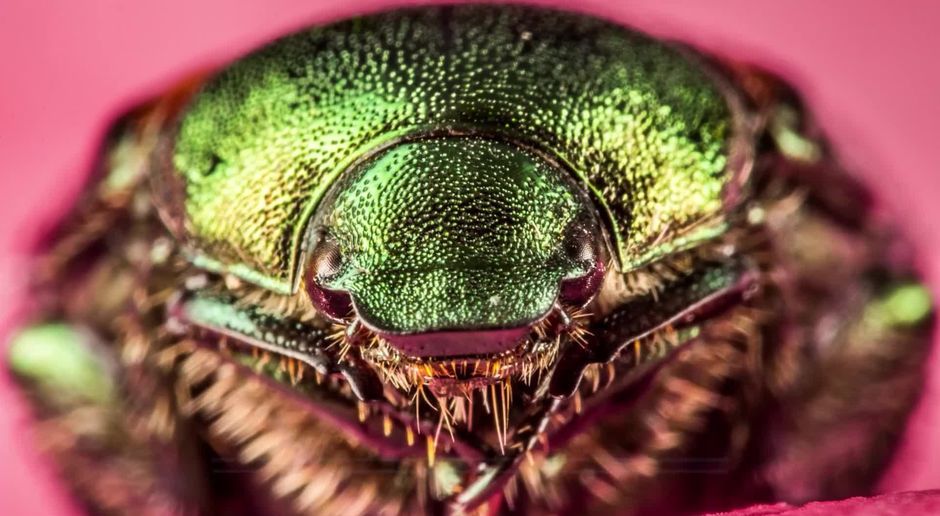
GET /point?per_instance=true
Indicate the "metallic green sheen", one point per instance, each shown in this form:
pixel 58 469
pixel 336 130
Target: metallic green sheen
pixel 59 359
pixel 264 140
pixel 455 233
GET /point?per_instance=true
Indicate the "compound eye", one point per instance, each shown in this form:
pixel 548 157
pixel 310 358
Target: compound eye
pixel 580 244
pixel 326 259
pixel 582 247
pixel 326 262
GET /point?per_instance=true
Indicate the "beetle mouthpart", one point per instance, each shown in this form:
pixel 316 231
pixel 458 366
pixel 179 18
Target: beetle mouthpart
pixel 442 344
pixel 489 356
pixel 460 376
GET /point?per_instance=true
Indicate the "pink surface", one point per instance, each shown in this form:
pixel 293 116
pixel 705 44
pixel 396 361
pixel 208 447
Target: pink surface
pixel 869 72
pixel 893 504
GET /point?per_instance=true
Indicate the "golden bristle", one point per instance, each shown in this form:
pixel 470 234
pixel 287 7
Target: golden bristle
pixel 292 370
pixel 263 361
pixel 497 416
pixel 344 349
pixel 444 419
pixel 432 450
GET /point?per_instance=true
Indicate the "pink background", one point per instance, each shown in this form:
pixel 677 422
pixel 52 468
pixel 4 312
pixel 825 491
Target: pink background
pixel 66 68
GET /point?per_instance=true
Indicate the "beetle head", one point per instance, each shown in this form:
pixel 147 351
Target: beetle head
pixel 454 246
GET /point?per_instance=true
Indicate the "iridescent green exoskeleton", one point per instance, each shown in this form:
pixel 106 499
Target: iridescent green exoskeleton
pixel 472 259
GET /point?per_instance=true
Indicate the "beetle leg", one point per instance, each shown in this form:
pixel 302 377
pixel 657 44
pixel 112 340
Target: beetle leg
pixel 89 425
pixel 630 438
pixel 307 342
pixel 694 297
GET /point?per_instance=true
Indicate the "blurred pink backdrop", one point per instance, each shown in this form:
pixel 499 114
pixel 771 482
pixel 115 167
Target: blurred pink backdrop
pixel 868 70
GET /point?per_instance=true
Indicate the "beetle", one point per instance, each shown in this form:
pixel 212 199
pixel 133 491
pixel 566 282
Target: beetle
pixel 472 258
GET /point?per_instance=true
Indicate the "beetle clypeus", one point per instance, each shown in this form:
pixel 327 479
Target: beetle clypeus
pixel 472 258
